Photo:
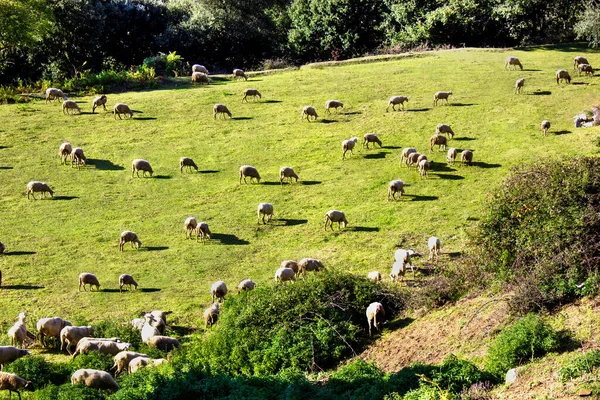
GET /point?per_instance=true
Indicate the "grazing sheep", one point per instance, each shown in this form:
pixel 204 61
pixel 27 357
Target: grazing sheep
pixel 375 315
pixel 512 62
pixel 53 94
pixel 284 275
pixel 264 210
pixel 99 101
pixel 371 138
pixel 87 345
pixel 421 158
pixel 211 315
pixel 545 125
pixel 309 264
pixel 375 276
pixel 94 378
pixel 441 96
pixel 562 75
pixel 148 330
pixel 138 165
pixel 444 128
pixel 329 104
pixel 9 354
pixel 137 363
pixel 438 140
pixel 199 68
pixel 199 77
pixel 309 111
pixel 121 108
pixel 159 320
pixel 290 264
pixel 348 145
pixel 287 172
pixel 138 323
pixel 164 343
pixel 189 226
pixel 519 85
pixel 424 169
pixel 579 60
pixel 18 332
pixel 203 232
pixel 122 360
pixel 253 93
pixel 35 186
pixel 466 157
pixel 246 284
pixel 77 157
pixel 238 73
pixel 405 153
pixel 71 335
pixel 13 383
pixel 222 110
pixel 413 159
pixel 187 162
pixel 86 278
pixel 435 247
pixel 218 290
pixel 50 328
pixel 395 100
pixel 451 155
pixel 401 261
pixel 586 68
pixel 335 216
pixel 126 279
pixel 64 151
pixel 128 236
pixel 249 171
pixel 396 186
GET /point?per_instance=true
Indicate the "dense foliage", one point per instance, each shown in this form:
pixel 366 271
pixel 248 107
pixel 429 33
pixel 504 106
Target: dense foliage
pixel 585 363
pixel 61 39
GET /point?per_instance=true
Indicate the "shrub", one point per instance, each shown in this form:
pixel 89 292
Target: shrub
pixel 69 392
pixel 357 380
pixel 583 364
pixel 528 337
pixel 36 369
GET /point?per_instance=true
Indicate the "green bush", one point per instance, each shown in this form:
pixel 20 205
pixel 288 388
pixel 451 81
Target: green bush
pixel 529 337
pixel 69 392
pixel 583 364
pixel 36 369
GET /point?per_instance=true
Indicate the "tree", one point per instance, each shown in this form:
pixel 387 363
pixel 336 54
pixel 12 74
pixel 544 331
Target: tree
pixel 22 23
pixel 588 26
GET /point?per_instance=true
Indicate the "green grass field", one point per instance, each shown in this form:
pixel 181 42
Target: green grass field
pixel 49 242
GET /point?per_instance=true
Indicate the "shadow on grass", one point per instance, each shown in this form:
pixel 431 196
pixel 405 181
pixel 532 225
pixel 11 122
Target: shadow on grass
pixel 399 323
pixel 137 112
pixel 156 248
pixel 532 70
pixel 6 167
pixel 450 177
pixel 421 198
pixel 229 239
pixel 182 330
pixel 162 177
pixel 309 183
pixel 362 229
pixel 562 132
pixel 472 219
pixel 19 253
pixel 454 254
pixel 392 147
pixel 327 121
pixel 149 290
pixel 464 139
pixel 21 287
pixel 272 183
pixel 145 118
pixel 419 109
pixel 209 171
pixel 241 118
pixel 439 167
pixel 290 222
pixel 578 83
pixel 5 147
pixel 482 164
pixel 109 290
pixel 462 104
pixel 271 101
pixel 376 156
pixel 352 113
pixel 541 93
pixel 65 197
pixel 104 165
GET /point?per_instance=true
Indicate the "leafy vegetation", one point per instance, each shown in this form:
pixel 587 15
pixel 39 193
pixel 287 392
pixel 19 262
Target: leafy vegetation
pixel 585 363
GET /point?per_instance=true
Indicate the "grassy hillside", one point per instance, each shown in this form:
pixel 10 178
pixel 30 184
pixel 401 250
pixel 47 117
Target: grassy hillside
pixel 49 242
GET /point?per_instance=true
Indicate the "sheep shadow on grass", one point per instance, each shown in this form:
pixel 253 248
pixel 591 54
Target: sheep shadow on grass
pixel 398 323
pixel 144 118
pixel 462 104
pixel 352 113
pixel 440 167
pixel 65 197
pixel 482 164
pixel 209 171
pixel 162 177
pixel 562 132
pixel 362 229
pixel 418 109
pixel 241 118
pixel 415 197
pixel 540 93
pixel 229 239
pixel 156 248
pixel 309 183
pixel 289 222
pixel 19 253
pixel 392 147
pixel 376 156
pixel 327 121
pixel 271 101
pixel 149 290
pixel 21 287
pixel 454 254
pixel 464 139
pixel 450 177
pixel 108 290
pixel 579 83
pixel 5 147
pixel 104 165
pixel 6 167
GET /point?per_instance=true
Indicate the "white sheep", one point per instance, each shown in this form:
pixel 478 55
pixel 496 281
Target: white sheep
pixel 64 151
pixel 126 279
pixel 441 96
pixel 402 260
pixel 86 278
pixel 189 226
pixel 253 93
pixel 562 75
pixel 512 62
pixel 138 165
pixel 249 171
pixel 238 73
pixel 519 83
pixel 290 264
pixel 375 276
pixel 348 145
pixel 466 157
pixel 329 104
pixel 121 108
pixel 148 330
pixel 87 345
pixel 371 138
pixel 50 328
pixel 18 332
pixel 435 247
pixel 375 315
pixel 94 378
pixel 264 210
pixel 451 155
pixel 405 153
pixel 99 101
pixel 545 125
pixel 203 232
pixel 284 275
pixel 586 68
pixel 424 169
pixel 395 186
pixel 187 162
pixel 211 315
pixel 438 140
pixel 413 159
pixel 220 109
pixel 137 363
pixel 421 158
pixel 53 94
pixel 309 111
pixel 579 60
pixel 287 172
pixel 246 284
pixel 332 216
pixel 71 335
pixel 395 100
pixel 13 383
pixel 309 264
pixel 128 236
pixel 77 157
pixel 199 77
pixel 160 319
pixel 9 354
pixel 122 360
pixel 199 68
pixel 444 128
pixel 36 186
pixel 164 343
pixel 218 290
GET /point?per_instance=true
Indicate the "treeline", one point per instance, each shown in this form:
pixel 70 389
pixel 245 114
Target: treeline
pixel 58 39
